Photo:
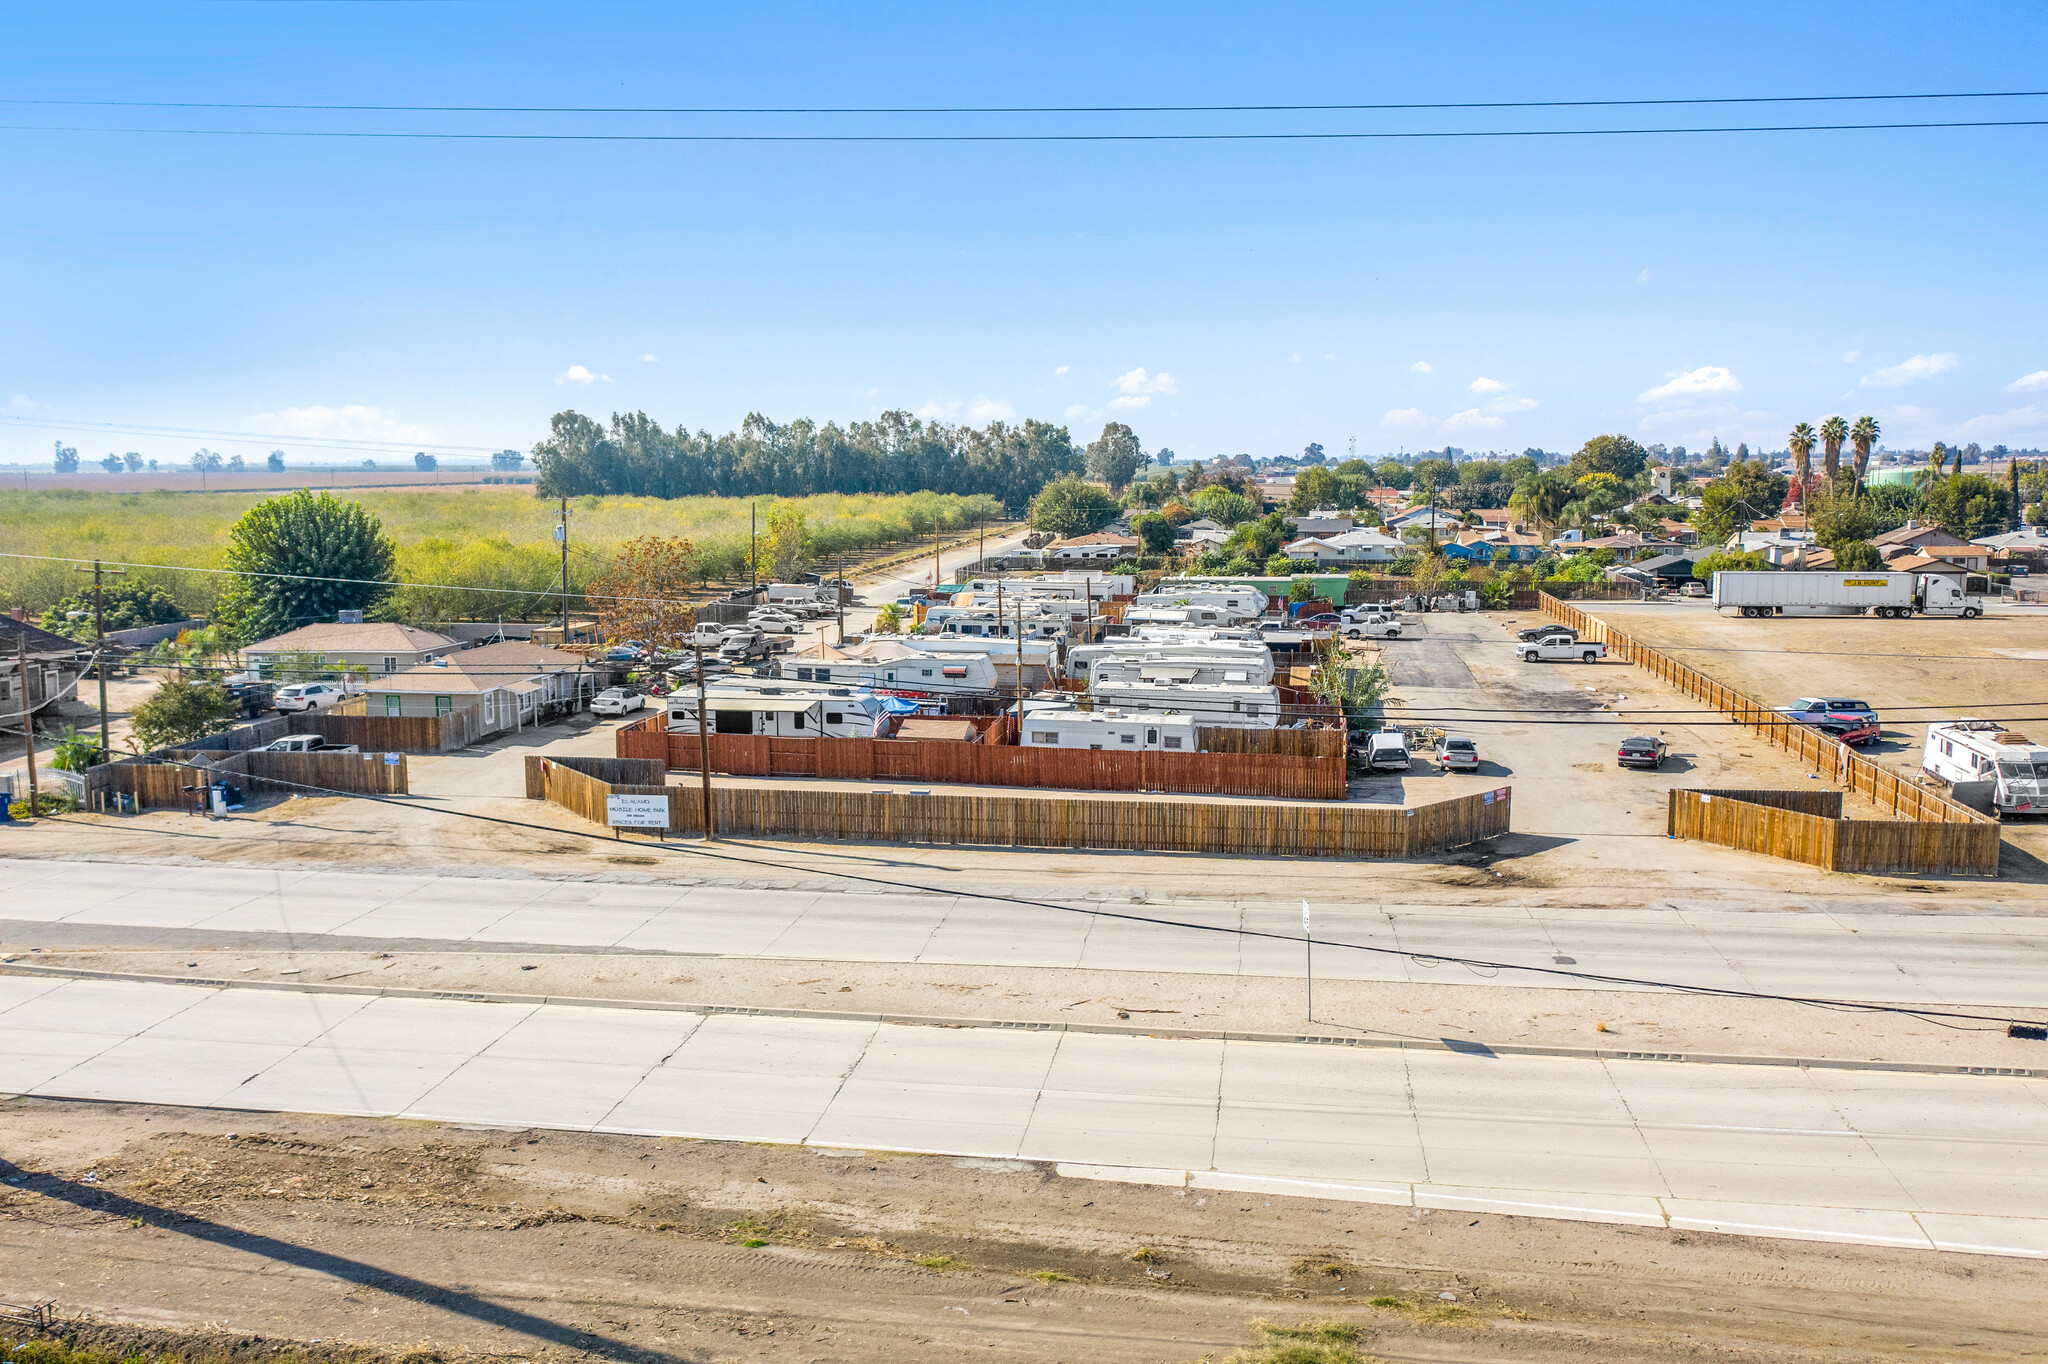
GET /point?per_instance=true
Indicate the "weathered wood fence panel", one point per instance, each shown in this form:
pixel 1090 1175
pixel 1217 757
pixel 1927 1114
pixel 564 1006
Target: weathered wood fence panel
pixel 388 733
pixel 1968 841
pixel 1048 822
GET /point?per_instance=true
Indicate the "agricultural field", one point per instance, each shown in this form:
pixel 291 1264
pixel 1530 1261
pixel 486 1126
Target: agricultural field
pixel 472 537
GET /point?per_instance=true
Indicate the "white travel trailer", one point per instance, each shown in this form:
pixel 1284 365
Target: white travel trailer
pixel 1189 617
pixel 1199 671
pixel 890 664
pixel 1071 585
pixel 1218 607
pixel 1227 706
pixel 1983 759
pixel 785 713
pixel 1055 724
pixel 1254 657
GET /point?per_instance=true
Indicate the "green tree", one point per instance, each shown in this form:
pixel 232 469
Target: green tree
pixel 1392 473
pixel 1540 499
pixel 1224 507
pixel 1069 506
pixel 1261 539
pixel 1856 556
pixel 129 604
pixel 1748 491
pixel 785 544
pixel 1721 559
pixel 1969 505
pixel 1115 456
pixel 1155 533
pixel 425 462
pixel 1837 516
pixel 75 752
pixel 1833 431
pixel 1435 473
pixel 1800 443
pixel 889 620
pixel 178 712
pixel 1315 487
pixel 1617 455
pixel 275 463
pixel 302 558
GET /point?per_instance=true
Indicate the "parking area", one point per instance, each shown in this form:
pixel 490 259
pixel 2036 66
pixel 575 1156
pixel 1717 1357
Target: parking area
pixel 1552 729
pixel 1913 671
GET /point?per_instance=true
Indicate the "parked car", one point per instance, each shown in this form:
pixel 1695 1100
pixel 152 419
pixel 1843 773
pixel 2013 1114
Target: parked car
pixel 1695 588
pixel 1386 750
pixel 1641 750
pixel 305 743
pixel 1540 631
pixel 1322 620
pixel 1815 710
pixel 1560 649
pixel 1456 753
pixel 774 622
pixel 309 696
pixel 616 701
pixel 1371 627
pixel 1857 732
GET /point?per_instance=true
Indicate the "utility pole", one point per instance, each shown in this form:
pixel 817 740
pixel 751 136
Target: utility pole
pixel 99 630
pixel 935 556
pixel 28 730
pixel 839 597
pixel 562 537
pixel 704 743
pixel 753 550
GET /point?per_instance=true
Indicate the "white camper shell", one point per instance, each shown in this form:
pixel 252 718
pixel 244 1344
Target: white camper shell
pixel 1254 658
pixel 1225 706
pixel 1982 759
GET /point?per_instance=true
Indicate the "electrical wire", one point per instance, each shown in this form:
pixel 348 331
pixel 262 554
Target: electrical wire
pixel 1427 958
pixel 1025 109
pixel 1385 136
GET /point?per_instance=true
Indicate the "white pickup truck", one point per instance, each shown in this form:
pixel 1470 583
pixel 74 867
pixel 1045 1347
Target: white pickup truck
pixel 1560 649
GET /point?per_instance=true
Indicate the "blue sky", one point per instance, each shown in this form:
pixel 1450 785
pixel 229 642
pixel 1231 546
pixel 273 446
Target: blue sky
pixel 1221 297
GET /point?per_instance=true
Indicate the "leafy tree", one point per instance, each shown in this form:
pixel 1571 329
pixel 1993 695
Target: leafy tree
pixel 1312 453
pixel 66 460
pixel 1261 539
pixel 1710 564
pixel 889 620
pixel 1839 517
pixel 129 604
pixel 1833 431
pixel 1224 507
pixel 1393 474
pixel 1315 487
pixel 1617 455
pixel 1747 492
pixel 1115 456
pixel 1856 556
pixel 134 462
pixel 275 463
pixel 236 464
pixel 1541 499
pixel 205 459
pixel 1435 473
pixel 425 462
pixel 112 463
pixel 178 712
pixel 784 542
pixel 1068 507
pixel 1155 533
pixel 1519 468
pixel 75 752
pixel 504 460
pixel 644 593
pixel 1969 505
pixel 303 557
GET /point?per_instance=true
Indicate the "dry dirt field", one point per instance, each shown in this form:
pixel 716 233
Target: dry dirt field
pixel 252 1236
pixel 1913 670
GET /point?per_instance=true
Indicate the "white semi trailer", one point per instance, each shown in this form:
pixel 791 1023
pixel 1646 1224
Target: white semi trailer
pixel 1796 592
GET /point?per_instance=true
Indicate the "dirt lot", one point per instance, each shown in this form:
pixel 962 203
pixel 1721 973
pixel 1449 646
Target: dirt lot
pixel 1913 671
pixel 549 1245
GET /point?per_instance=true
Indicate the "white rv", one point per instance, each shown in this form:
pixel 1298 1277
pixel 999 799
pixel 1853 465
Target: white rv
pixel 1197 671
pixel 1254 657
pixel 783 712
pixel 1225 705
pixel 1983 758
pixel 1054 724
pixel 892 664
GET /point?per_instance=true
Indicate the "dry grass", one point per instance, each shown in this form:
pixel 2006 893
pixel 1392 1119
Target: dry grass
pixel 936 1261
pixel 1314 1342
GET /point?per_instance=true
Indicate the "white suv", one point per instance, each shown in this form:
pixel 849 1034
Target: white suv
pixel 308 696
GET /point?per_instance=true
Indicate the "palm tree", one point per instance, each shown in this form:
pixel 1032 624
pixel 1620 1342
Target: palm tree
pixel 1541 499
pixel 1801 441
pixel 1833 432
pixel 1862 436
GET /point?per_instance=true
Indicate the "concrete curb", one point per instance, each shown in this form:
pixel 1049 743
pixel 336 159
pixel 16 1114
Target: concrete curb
pixel 1480 1049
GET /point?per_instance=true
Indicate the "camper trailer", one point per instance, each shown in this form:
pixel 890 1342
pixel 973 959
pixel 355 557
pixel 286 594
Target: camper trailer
pixel 1984 761
pixel 1253 657
pixel 792 713
pixel 892 663
pixel 1224 705
pixel 1053 724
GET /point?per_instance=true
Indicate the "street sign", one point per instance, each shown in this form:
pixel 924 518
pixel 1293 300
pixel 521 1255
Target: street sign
pixel 1304 916
pixel 636 812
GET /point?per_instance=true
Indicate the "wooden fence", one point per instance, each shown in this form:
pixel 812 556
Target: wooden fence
pixel 1049 822
pixel 1966 841
pixel 1806 826
pixel 1277 776
pixel 388 733
pixel 161 785
pixel 1290 743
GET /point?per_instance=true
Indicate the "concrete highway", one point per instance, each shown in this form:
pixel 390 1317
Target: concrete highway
pixel 1930 1162
pixel 1956 959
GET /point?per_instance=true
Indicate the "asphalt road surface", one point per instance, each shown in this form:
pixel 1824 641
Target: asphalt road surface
pixel 1930 1162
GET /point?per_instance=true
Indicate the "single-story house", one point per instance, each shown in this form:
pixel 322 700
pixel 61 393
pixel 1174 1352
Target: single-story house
pixel 1491 518
pixel 1421 518
pixel 1678 532
pixel 379 648
pixel 1322 525
pixel 1669 568
pixel 1365 546
pixel 54 664
pixel 1103 545
pixel 499 686
pixel 1916 537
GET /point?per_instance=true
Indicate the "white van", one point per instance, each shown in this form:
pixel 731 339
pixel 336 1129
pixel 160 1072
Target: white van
pixel 1386 750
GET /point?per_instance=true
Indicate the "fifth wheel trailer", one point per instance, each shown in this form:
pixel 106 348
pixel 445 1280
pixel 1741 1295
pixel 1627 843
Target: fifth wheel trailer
pixel 1795 592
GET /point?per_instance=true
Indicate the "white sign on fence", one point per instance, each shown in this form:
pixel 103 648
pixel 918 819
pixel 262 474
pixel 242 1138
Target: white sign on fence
pixel 636 812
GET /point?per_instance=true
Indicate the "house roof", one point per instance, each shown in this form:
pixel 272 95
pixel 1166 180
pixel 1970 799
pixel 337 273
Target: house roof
pixel 510 666
pixel 367 638
pixel 1101 537
pixel 40 641
pixel 515 655
pixel 1917 535
pixel 1922 563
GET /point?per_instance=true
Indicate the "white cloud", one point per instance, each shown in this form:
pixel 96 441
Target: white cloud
pixel 1501 405
pixel 1077 410
pixel 1329 357
pixel 1294 359
pixel 2029 422
pixel 1061 370
pixel 2026 383
pixel 21 402
pixel 350 421
pixel 1129 401
pixel 1421 367
pixel 1850 357
pixel 1405 419
pixel 1138 381
pixel 1485 385
pixel 1471 419
pixel 649 358
pixel 1644 276
pixel 985 409
pixel 1691 383
pixel 1905 372
pixel 577 374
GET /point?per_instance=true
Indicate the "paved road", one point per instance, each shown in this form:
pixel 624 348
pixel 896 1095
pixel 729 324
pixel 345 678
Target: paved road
pixel 1983 958
pixel 1904 1160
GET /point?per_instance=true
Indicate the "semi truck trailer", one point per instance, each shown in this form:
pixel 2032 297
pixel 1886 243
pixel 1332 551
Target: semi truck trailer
pixel 1796 592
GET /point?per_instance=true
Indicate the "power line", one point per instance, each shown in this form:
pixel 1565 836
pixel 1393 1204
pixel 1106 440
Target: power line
pixel 1434 135
pixel 1021 109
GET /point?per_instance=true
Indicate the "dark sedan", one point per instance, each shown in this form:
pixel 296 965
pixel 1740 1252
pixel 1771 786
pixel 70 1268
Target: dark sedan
pixel 1642 751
